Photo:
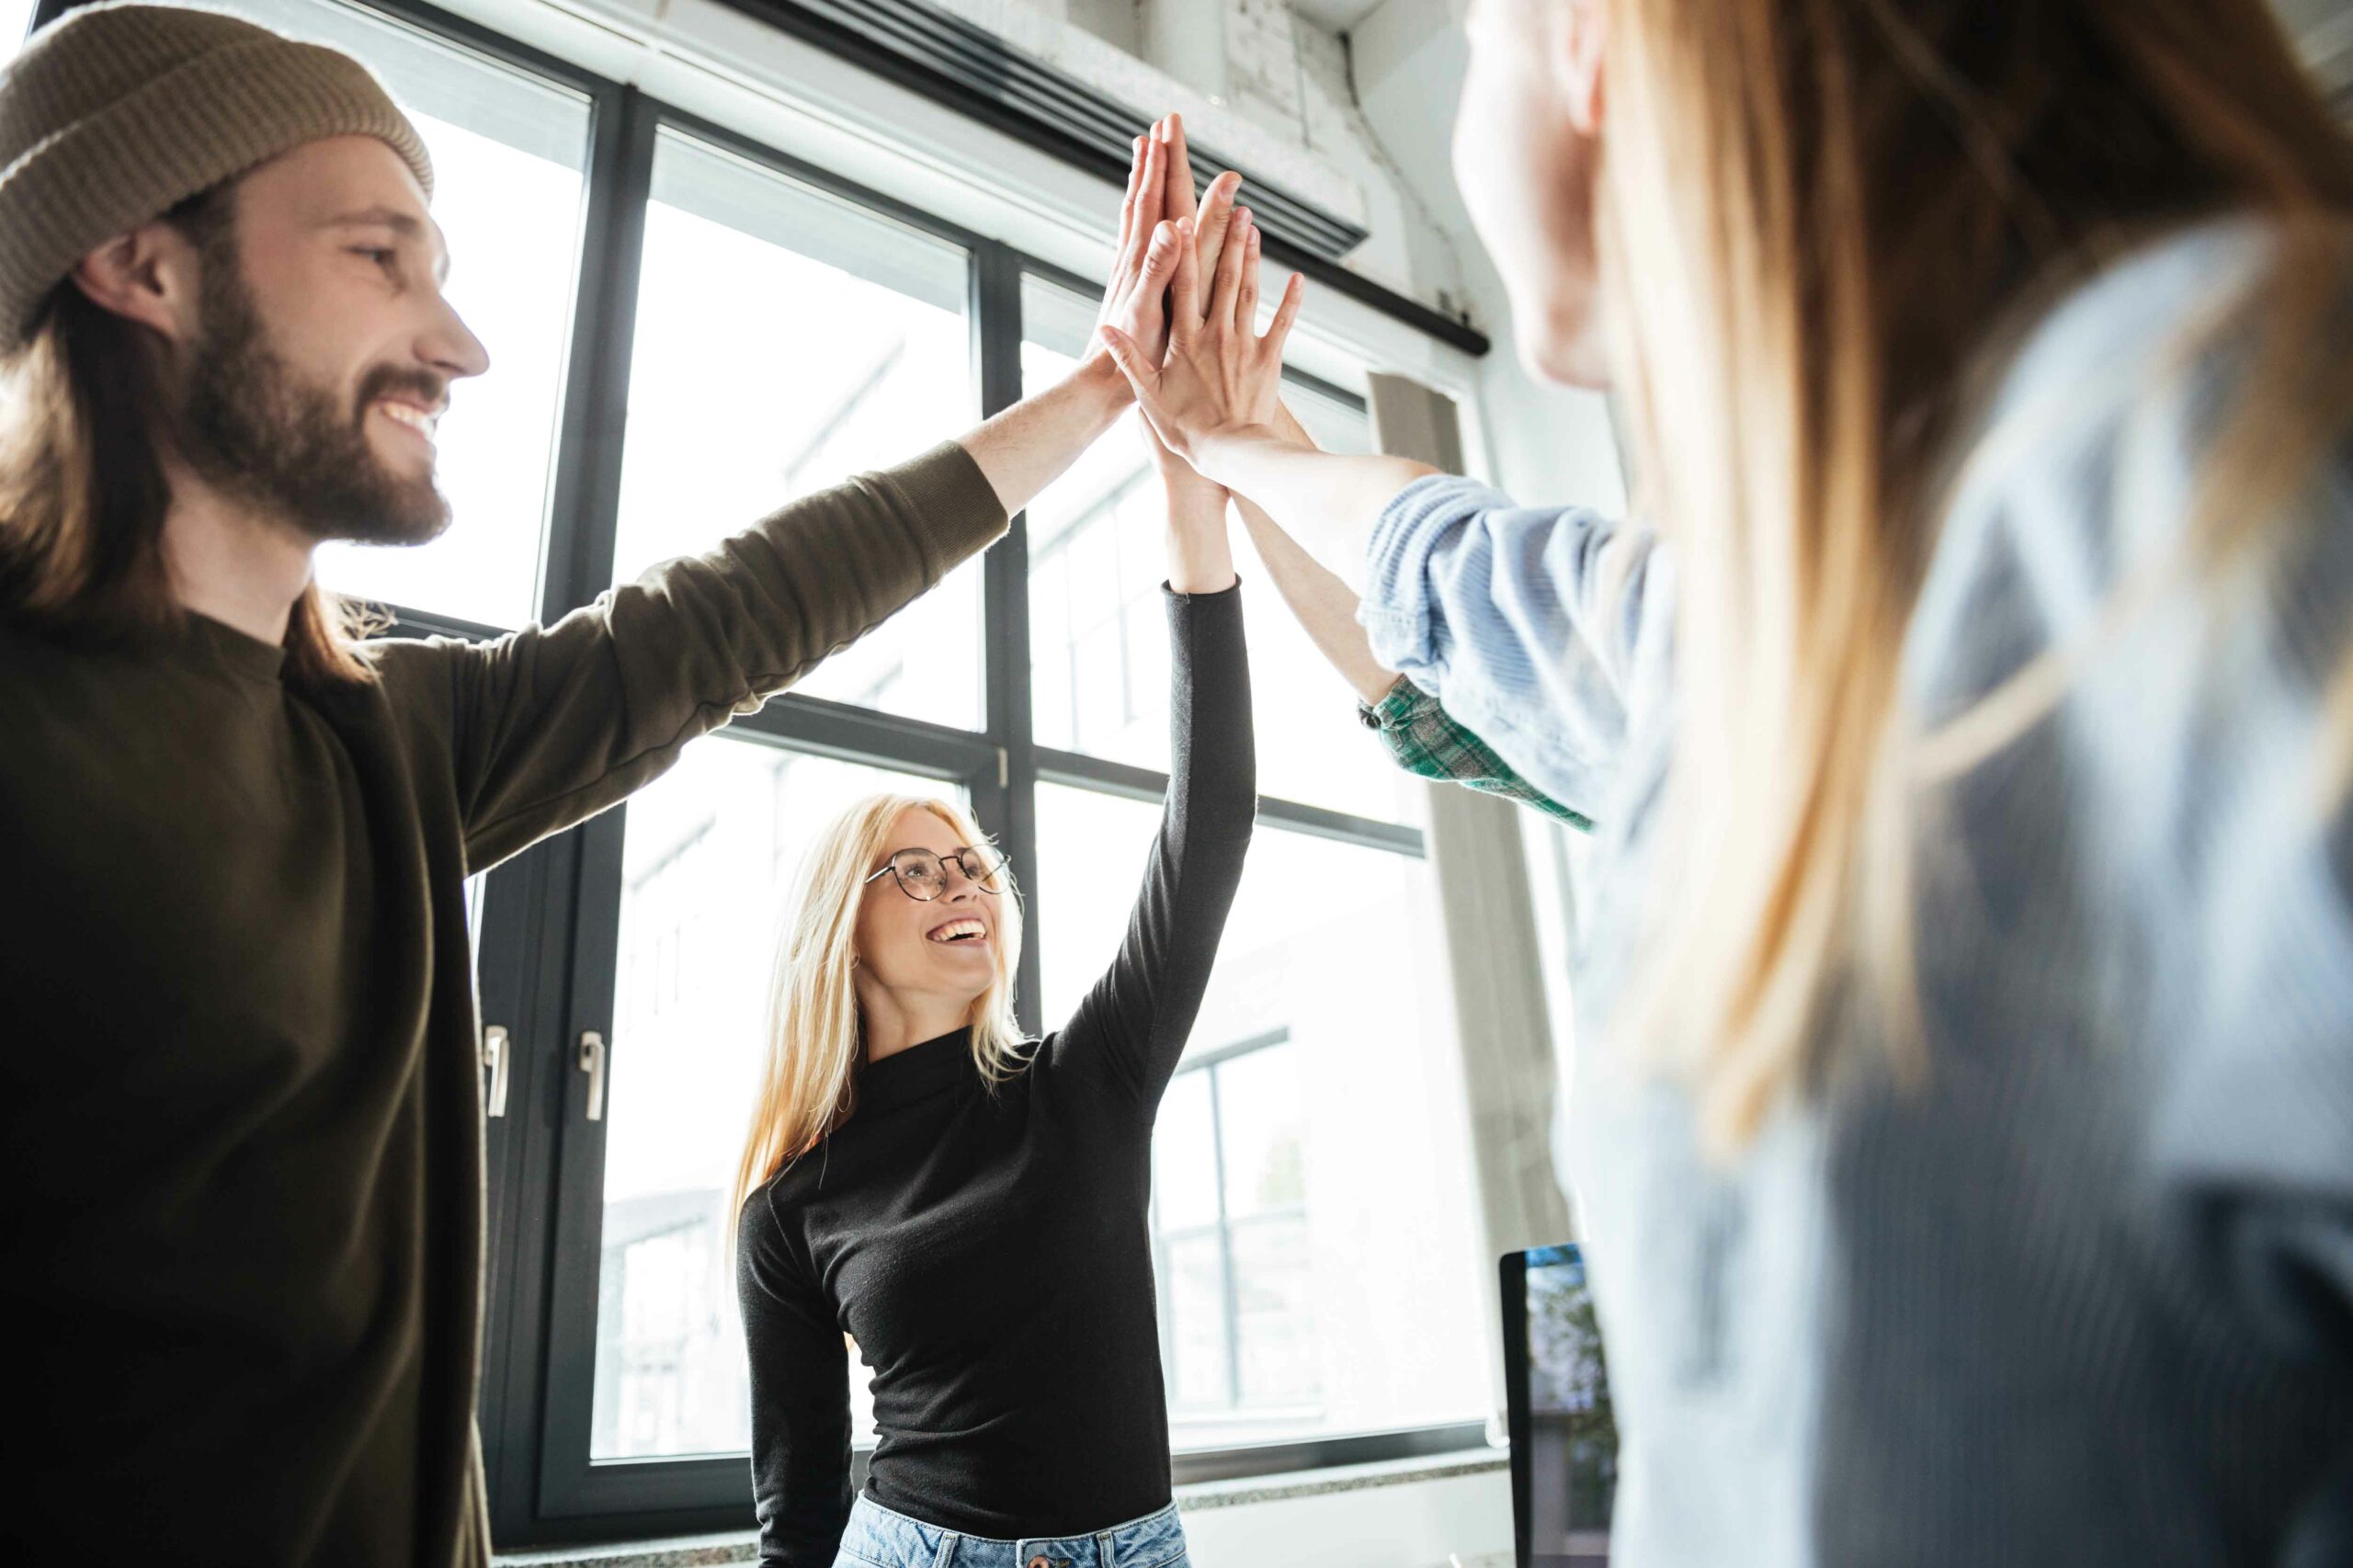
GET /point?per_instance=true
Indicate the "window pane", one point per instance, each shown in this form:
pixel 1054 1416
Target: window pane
pixel 710 849
pixel 1262 1124
pixel 15 16
pixel 854 357
pixel 1274 1315
pixel 1098 644
pixel 508 151
pixel 1091 852
pixel 1333 425
pixel 1193 1307
pixel 1184 1158
pixel 1359 1281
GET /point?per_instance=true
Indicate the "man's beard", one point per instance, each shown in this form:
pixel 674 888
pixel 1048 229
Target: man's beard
pixel 250 426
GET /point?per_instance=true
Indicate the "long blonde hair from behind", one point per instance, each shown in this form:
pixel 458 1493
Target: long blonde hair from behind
pixel 1826 219
pixel 816 1037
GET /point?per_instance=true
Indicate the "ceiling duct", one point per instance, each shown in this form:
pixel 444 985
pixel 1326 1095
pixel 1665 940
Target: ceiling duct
pixel 937 52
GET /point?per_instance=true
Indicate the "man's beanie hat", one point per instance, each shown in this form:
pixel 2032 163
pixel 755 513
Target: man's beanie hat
pixel 115 114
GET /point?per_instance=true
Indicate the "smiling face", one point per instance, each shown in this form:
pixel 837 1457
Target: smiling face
pixel 933 956
pixel 324 348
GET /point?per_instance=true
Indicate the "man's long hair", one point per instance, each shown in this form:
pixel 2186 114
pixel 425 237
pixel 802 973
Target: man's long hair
pixel 83 411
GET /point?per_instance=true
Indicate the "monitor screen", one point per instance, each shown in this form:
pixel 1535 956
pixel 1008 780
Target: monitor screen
pixel 1563 1433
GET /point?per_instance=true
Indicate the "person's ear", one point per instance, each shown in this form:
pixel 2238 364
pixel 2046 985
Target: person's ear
pixel 1579 44
pixel 152 275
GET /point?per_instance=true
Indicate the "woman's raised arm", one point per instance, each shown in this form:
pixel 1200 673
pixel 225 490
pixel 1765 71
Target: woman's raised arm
pixel 1136 1019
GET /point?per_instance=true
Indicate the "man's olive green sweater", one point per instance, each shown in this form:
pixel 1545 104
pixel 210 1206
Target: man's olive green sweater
pixel 240 1119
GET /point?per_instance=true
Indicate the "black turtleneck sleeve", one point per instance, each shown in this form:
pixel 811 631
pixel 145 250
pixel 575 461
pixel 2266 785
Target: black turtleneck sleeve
pixel 800 1396
pixel 1134 1024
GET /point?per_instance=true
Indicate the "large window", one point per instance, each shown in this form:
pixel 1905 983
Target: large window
pixel 787 339
pixel 687 331
pixel 1310 1194
pixel 15 16
pixel 1306 1290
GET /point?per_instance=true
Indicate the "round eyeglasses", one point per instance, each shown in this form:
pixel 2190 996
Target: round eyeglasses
pixel 923 875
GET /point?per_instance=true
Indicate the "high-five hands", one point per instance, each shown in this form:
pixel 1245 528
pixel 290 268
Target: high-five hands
pixel 1023 448
pixel 1208 230
pixel 1219 379
pixel 1157 216
pixel 1201 559
pixel 1204 229
pixel 1135 300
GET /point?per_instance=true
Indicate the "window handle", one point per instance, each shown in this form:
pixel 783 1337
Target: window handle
pixel 592 1061
pixel 498 1056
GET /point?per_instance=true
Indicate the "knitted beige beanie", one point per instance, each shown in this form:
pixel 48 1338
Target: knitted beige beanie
pixel 114 114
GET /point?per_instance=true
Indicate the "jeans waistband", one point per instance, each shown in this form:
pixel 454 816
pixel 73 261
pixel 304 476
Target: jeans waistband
pixel 891 1539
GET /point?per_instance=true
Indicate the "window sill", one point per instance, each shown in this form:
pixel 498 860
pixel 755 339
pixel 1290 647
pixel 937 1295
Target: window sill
pixel 735 1549
pixel 1246 1490
pixel 727 1550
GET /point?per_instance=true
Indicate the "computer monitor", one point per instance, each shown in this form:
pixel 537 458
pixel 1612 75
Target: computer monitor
pixel 1563 1433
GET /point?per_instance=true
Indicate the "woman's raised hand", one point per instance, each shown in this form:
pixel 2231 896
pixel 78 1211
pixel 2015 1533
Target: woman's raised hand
pixel 1219 376
pixel 1203 227
pixel 1133 300
pixel 1156 214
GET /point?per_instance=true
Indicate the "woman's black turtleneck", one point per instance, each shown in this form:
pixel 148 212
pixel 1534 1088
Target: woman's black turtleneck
pixel 989 1251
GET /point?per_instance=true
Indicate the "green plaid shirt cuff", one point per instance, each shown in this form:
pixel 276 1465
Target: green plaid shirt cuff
pixel 1426 742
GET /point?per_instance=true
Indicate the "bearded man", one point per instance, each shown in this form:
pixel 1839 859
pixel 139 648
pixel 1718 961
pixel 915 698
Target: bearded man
pixel 240 1128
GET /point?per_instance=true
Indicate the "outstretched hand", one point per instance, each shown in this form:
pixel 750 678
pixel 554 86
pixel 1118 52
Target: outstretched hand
pixel 1025 448
pixel 1135 299
pixel 1219 376
pixel 1206 224
pixel 1202 225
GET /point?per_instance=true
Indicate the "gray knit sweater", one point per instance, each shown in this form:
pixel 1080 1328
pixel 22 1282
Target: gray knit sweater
pixel 2086 1296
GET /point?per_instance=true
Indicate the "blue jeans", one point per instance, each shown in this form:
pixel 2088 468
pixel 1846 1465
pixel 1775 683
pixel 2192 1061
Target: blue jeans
pixel 877 1538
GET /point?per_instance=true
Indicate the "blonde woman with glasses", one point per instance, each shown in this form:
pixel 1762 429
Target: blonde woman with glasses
pixel 969 1207
pixel 1964 1124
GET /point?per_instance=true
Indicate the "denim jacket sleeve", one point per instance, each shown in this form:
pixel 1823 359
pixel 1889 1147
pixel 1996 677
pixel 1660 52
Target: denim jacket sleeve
pixel 1541 629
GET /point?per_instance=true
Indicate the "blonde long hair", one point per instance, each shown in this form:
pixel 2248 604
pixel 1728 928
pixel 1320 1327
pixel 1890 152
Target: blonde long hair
pixel 816 1037
pixel 1826 218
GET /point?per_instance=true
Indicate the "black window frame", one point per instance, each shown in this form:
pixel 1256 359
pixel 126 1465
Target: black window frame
pixel 550 924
